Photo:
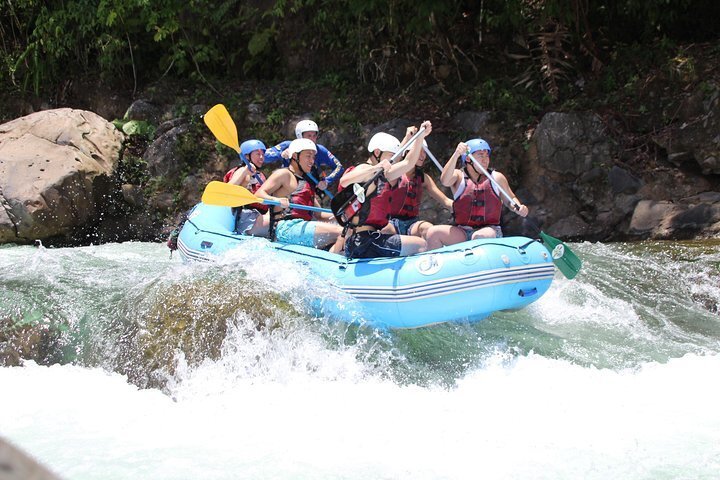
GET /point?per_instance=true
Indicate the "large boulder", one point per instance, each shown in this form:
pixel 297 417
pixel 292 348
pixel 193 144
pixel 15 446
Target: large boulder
pixel 694 139
pixel 569 170
pixel 690 217
pixel 54 170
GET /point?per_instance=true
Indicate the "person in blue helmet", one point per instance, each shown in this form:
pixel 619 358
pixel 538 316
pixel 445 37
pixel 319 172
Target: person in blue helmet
pixel 250 219
pixel 247 174
pixel 308 129
pixel 477 201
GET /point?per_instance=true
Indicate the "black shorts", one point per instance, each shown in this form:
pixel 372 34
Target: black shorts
pixel 372 245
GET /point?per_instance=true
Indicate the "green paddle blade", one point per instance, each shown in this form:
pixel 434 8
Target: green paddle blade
pixel 566 261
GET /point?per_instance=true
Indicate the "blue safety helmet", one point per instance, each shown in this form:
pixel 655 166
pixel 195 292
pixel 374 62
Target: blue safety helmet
pixel 475 145
pixel 249 146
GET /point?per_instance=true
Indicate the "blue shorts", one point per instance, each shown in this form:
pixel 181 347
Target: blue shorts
pixel 372 245
pixel 245 220
pixel 470 230
pixel 296 231
pixel 403 225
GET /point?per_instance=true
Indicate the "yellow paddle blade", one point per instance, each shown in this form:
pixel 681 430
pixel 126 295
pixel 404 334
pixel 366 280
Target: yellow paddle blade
pixel 228 195
pixel 222 126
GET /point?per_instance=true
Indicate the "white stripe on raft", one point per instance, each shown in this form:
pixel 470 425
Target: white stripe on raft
pixel 431 288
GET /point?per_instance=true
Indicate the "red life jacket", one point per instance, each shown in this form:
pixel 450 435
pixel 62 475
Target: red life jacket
pixel 406 197
pixel 304 194
pixel 253 186
pixel 229 174
pixel 478 205
pixel 376 211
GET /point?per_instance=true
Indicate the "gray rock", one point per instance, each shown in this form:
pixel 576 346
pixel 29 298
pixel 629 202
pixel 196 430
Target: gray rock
pixel 160 155
pixel 133 195
pixel 650 218
pixel 18 465
pixel 572 143
pixel 143 110
pixel 622 181
pixel 573 226
pixel 50 163
pixel 472 122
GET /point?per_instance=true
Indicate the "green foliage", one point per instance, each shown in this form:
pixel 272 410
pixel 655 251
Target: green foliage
pixel 138 127
pixel 43 44
pixel 505 97
pixel 133 170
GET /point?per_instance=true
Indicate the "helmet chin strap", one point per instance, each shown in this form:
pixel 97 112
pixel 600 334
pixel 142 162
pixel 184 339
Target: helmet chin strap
pixel 479 173
pixel 294 159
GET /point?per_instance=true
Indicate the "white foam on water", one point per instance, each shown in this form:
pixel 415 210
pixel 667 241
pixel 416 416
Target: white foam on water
pixel 533 418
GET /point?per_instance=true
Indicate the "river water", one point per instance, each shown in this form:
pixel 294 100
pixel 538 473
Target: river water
pixel 149 368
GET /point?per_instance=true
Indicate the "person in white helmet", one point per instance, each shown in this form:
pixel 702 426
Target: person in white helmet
pixel 308 129
pixel 366 239
pixel 291 185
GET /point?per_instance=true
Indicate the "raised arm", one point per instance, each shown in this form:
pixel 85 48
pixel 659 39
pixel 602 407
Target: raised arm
pixel 451 176
pixel 274 154
pixel 240 176
pixel 436 193
pixel 398 169
pixel 361 173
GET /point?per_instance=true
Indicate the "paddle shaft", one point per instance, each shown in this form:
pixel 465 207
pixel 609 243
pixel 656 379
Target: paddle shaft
pixel 251 168
pixel 316 182
pixel 432 157
pixel 229 195
pixel 296 205
pixel 493 181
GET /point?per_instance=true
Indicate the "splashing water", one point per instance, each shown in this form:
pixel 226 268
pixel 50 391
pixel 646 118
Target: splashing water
pixel 148 368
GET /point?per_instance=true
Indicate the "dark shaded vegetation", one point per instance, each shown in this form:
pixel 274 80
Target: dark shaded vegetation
pixel 491 50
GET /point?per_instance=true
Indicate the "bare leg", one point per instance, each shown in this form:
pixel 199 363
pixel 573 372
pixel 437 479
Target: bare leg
pixel 261 226
pixel 443 235
pixel 339 246
pixel 411 245
pixel 326 234
pixel 389 228
pixel 485 232
pixel 420 229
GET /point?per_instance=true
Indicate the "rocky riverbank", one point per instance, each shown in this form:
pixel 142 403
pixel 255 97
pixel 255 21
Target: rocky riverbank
pixel 71 176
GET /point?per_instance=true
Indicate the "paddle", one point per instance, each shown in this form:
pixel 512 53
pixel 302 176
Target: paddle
pixel 316 182
pixel 229 195
pixel 567 262
pixel 347 203
pixel 222 126
pixel 432 157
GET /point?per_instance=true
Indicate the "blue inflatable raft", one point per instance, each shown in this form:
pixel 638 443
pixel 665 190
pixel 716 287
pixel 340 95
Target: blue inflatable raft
pixel 460 283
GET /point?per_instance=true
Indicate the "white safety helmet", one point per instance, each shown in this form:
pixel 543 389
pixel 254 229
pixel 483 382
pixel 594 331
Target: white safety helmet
pixel 407 149
pixel 300 144
pixel 384 142
pixel 305 126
